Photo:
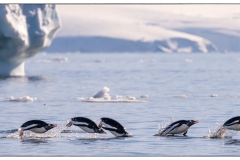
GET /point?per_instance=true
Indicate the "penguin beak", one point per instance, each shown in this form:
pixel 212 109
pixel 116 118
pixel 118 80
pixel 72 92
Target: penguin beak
pixel 69 124
pixel 54 125
pixel 194 122
pixel 100 125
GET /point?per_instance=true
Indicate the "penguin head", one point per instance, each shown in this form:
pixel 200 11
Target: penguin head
pixel 103 121
pixel 50 126
pixel 108 121
pixel 191 122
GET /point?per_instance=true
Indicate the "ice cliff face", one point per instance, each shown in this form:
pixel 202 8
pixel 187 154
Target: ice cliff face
pixel 25 29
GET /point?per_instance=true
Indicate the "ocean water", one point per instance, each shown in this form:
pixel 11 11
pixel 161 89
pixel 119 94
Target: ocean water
pixel 203 87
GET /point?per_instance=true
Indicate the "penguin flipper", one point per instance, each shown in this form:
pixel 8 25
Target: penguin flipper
pixel 185 133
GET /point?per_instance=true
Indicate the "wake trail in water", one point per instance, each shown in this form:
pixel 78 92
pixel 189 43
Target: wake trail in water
pixel 60 132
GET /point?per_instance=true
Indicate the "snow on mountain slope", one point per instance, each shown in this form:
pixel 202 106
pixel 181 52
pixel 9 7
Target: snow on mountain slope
pixel 141 28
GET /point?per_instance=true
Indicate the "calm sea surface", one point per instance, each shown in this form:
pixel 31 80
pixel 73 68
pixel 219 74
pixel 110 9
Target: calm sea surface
pixel 56 87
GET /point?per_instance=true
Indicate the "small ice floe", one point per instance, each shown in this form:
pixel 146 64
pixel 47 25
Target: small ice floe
pixel 214 95
pixel 80 98
pixel 103 97
pixel 21 99
pixel 182 96
pixel 144 96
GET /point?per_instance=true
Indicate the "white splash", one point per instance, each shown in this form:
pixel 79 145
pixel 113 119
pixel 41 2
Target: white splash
pixel 220 133
pixel 164 125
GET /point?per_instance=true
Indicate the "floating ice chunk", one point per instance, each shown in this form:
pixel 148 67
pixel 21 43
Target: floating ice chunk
pixel 103 96
pixel 9 98
pixel 182 96
pixel 21 99
pixel 214 95
pixel 103 93
pixel 79 98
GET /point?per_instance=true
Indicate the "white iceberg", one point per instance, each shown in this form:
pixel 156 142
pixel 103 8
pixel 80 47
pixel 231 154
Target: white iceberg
pixel 25 29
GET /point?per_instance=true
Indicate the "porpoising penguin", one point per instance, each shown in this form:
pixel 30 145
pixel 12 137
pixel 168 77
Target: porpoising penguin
pixel 85 124
pixel 36 126
pixel 178 127
pixel 232 124
pixel 114 127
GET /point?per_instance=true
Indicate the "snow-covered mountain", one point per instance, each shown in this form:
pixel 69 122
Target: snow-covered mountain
pixel 148 28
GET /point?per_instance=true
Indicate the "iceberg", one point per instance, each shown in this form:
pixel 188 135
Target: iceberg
pixel 25 29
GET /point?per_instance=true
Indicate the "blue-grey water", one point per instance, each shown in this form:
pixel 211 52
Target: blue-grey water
pixel 57 85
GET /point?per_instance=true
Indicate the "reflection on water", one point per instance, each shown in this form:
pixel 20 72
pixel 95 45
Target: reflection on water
pixel 25 78
pixel 34 140
pixel 232 142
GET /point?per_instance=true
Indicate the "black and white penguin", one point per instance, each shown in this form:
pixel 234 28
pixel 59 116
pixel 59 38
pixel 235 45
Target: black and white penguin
pixel 114 127
pixel 232 124
pixel 36 126
pixel 178 127
pixel 85 124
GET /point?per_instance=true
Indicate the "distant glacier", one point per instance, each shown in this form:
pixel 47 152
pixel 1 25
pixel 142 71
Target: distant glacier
pixel 148 28
pixel 98 44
